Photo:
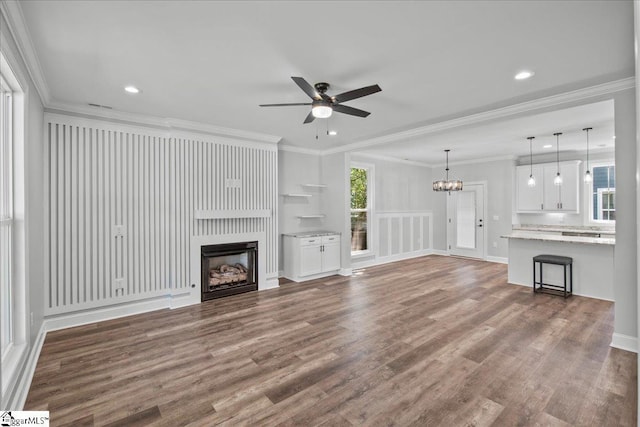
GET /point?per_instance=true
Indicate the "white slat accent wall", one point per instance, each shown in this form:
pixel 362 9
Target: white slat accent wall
pixel 121 208
pixel 403 234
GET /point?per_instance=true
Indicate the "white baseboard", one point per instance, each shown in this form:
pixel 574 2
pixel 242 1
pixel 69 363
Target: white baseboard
pixel 388 259
pixel 530 286
pixel 624 342
pixel 21 390
pixel 346 271
pixel 439 252
pixel 498 259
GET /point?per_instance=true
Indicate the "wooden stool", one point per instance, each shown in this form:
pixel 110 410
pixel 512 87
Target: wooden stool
pixel 546 287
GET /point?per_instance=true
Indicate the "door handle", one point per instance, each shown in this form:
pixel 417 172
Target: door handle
pixel 479 225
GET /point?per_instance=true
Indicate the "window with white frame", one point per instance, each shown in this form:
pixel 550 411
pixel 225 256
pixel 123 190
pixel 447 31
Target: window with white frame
pixel 602 202
pixel 6 219
pixel 361 200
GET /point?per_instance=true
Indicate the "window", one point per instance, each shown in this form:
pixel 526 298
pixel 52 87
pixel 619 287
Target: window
pixel 13 304
pixel 361 209
pixel 6 220
pixel 603 193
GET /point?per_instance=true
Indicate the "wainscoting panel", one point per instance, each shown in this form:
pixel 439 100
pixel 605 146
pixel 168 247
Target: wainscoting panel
pixel 121 204
pixel 403 234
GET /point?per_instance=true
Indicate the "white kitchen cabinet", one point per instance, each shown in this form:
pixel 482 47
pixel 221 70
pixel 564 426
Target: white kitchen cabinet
pixel 529 199
pixel 309 256
pixel 565 197
pixel 546 196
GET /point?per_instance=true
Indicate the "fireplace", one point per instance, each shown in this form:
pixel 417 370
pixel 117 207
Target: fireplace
pixel 229 269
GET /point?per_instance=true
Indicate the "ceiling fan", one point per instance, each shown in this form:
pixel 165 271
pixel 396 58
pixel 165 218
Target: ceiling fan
pixel 324 105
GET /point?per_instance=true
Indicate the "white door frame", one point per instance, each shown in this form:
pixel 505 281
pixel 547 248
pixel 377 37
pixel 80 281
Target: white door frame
pixel 484 218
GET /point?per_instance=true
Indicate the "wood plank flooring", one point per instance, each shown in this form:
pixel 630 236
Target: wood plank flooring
pixel 429 341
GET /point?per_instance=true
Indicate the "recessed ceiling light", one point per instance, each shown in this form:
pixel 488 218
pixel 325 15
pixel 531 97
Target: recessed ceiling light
pixel 547 146
pixel 132 89
pixel 333 132
pixel 614 137
pixel 523 75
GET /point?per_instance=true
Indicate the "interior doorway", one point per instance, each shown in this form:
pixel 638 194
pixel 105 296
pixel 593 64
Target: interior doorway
pixel 465 221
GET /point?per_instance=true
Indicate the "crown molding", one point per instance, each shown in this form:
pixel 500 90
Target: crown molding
pixel 17 27
pixel 390 159
pixel 300 150
pixel 481 160
pixel 158 122
pixel 499 113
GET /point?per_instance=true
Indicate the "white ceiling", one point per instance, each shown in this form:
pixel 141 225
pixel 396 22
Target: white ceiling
pixel 214 62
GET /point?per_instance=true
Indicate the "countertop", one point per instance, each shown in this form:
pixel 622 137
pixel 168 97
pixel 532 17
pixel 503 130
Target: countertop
pixel 566 228
pixel 536 235
pixel 311 234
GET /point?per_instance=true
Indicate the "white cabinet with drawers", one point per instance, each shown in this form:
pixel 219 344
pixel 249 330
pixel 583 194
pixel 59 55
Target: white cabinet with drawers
pixel 311 255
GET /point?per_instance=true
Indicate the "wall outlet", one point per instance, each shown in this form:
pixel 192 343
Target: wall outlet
pixel 495 244
pixel 496 218
pixel 118 230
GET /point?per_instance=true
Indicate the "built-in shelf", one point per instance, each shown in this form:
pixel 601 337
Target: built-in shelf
pixel 232 213
pixel 315 185
pixel 311 216
pixel 297 195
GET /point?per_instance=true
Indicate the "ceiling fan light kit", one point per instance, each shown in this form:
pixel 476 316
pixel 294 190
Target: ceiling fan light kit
pixel 323 105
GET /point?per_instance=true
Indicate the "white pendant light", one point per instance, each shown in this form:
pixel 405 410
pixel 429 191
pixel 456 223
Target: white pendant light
pixel 558 179
pixel 446 184
pixel 587 174
pixel 532 180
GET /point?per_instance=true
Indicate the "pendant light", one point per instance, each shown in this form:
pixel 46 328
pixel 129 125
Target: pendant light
pixel 558 179
pixel 532 180
pixel 587 174
pixel 446 184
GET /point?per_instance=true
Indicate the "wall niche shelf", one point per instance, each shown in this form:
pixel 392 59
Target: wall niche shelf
pixel 315 216
pixel 297 195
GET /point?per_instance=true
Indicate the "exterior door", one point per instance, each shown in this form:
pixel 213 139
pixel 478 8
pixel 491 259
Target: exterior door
pixel 466 228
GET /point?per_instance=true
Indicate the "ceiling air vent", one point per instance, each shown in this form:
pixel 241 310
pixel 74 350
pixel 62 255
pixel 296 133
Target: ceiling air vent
pixel 100 106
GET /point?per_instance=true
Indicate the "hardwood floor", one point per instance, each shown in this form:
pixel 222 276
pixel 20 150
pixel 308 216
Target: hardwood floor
pixel 429 341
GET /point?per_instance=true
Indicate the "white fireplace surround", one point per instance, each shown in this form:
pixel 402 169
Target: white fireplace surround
pixel 196 245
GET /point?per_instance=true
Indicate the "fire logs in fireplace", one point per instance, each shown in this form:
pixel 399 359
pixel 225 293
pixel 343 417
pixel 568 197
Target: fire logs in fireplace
pixel 227 274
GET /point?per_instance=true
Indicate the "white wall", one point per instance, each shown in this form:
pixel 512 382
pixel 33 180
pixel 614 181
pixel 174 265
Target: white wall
pixel 625 261
pixel 399 186
pixel 334 171
pixel 294 170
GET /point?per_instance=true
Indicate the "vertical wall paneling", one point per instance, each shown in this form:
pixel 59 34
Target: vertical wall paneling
pixel 402 234
pixel 121 202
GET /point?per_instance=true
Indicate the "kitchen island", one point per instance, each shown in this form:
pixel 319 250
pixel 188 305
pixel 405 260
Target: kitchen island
pixel 592 254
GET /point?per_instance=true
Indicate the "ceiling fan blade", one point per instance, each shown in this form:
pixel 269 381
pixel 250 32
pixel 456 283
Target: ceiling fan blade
pixel 309 118
pixel 306 87
pixel 350 110
pixel 284 105
pixel 356 93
